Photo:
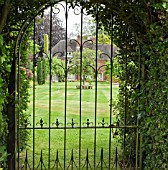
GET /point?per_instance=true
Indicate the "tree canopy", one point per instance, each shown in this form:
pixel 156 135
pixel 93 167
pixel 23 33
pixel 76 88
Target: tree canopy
pixel 86 63
pixel 43 26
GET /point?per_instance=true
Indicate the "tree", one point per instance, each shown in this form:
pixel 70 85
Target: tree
pixel 104 39
pixel 89 28
pixel 58 68
pixel 115 68
pixel 89 31
pixel 41 63
pixel 43 26
pixel 5 7
pixel 88 64
pixel 41 70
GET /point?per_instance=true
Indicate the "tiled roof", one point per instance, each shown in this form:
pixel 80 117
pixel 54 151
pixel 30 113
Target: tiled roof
pixel 72 46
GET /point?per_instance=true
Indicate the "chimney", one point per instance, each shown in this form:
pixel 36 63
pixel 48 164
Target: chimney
pixel 93 39
pixel 78 39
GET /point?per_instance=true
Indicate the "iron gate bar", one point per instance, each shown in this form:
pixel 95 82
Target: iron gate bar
pixel 116 158
pixel 18 97
pixel 101 164
pixel 80 103
pixel 66 58
pixel 34 91
pixel 87 163
pixel 50 65
pixel 90 127
pixel 17 84
pixel 41 163
pixel 57 162
pixel 125 86
pixel 111 87
pixel 139 81
pixel 17 53
pixel 96 85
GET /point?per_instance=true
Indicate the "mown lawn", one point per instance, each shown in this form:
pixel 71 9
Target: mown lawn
pixel 72 107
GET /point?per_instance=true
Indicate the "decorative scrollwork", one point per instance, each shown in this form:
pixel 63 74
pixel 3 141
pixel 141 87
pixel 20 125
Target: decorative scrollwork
pixel 65 8
pixel 56 10
pixel 57 123
pixel 72 123
pixel 41 123
pixel 26 123
pixel 88 123
pixel 102 54
pixel 75 41
pixel 77 10
pixel 103 123
pixel 88 41
pixel 57 52
pixel 83 44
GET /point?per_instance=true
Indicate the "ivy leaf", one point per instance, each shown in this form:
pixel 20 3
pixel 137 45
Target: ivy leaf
pixel 3 153
pixel 164 5
pixel 147 109
pixel 2 59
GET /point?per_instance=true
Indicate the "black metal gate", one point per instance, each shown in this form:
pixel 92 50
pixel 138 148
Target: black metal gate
pixel 70 124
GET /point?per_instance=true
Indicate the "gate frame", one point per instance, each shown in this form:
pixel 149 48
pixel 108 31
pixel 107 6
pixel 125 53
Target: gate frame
pixel 12 120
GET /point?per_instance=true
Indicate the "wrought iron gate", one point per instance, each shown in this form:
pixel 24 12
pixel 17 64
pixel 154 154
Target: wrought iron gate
pixel 71 134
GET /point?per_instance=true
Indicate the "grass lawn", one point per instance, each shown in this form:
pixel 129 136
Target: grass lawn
pixel 72 111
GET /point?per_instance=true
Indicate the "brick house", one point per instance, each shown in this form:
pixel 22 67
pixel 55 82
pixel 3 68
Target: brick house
pixel 59 51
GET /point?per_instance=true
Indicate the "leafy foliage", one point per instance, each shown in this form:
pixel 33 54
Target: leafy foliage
pixel 89 28
pixel 88 64
pixel 41 74
pixel 155 113
pixel 46 43
pixel 115 68
pixel 57 68
pixel 43 27
pixel 104 39
pixel 3 120
pixel 140 32
pixel 6 95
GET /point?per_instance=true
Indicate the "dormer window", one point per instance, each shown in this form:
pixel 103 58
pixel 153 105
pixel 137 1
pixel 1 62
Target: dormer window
pixel 69 53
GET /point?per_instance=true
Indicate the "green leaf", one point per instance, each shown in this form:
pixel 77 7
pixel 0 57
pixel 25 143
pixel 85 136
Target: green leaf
pixel 164 5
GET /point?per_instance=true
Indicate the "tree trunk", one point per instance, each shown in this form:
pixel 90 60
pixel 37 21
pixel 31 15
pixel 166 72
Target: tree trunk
pixel 4 14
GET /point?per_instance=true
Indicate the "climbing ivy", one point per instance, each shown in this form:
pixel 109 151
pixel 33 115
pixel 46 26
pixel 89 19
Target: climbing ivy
pixel 140 32
pixel 4 67
pixel 143 85
pixel 154 117
pixel 7 49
